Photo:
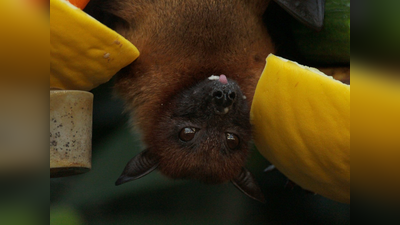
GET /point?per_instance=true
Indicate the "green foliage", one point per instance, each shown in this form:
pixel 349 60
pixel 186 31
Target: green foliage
pixel 17 214
pixel 331 45
pixel 62 215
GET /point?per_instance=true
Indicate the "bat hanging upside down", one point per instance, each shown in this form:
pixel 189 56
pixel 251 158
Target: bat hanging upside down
pixel 189 92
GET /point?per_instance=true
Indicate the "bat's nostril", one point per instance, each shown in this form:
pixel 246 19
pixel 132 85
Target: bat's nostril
pixel 232 95
pixel 218 94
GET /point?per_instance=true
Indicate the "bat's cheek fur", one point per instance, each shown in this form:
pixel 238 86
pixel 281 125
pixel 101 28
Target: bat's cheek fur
pixel 207 157
pixel 208 165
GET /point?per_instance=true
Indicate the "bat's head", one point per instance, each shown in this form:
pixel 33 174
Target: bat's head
pixel 204 134
pixel 207 133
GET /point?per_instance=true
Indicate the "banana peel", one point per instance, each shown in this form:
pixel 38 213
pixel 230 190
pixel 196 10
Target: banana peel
pixel 84 53
pixel 301 121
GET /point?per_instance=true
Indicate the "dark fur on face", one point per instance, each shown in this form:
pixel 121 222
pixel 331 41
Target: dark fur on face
pixel 211 156
pixel 182 43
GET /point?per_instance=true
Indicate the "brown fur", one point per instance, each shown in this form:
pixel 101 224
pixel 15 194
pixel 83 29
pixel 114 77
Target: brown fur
pixel 207 158
pixel 182 42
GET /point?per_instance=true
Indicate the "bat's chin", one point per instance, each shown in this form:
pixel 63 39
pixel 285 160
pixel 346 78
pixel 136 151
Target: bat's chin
pixel 203 176
pixel 209 166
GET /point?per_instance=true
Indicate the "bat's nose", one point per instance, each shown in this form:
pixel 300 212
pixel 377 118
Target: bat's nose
pixel 223 99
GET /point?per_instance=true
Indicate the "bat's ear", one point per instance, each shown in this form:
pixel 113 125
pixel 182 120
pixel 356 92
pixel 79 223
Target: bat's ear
pixel 246 183
pixel 107 12
pixel 139 166
pixel 309 12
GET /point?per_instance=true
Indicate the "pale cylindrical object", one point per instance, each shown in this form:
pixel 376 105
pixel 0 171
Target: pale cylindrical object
pixel 70 132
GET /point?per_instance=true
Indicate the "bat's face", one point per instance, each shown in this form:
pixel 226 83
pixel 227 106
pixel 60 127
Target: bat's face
pixel 205 134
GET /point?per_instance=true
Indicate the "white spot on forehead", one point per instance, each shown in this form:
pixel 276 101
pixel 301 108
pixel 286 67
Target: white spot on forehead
pixel 213 77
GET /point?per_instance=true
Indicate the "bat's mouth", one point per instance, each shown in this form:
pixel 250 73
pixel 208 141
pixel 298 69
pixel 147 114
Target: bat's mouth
pixel 223 111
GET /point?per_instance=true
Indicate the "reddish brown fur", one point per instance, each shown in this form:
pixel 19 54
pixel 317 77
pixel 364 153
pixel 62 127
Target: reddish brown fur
pixel 181 43
pixel 206 165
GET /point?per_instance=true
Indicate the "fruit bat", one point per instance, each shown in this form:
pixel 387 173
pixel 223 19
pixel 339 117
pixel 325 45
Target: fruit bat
pixel 189 93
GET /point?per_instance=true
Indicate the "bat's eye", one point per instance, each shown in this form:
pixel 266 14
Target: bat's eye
pixel 232 140
pixel 187 133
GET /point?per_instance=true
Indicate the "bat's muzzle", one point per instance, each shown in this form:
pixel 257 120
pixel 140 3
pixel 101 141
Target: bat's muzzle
pixel 224 96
